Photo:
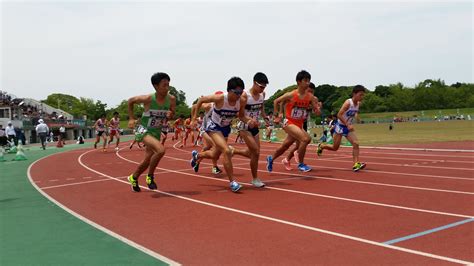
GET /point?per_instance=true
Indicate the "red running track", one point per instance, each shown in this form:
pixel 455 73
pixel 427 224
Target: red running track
pixel 329 216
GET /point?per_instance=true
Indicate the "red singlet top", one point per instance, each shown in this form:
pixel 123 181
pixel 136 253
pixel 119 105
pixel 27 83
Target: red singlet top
pixel 296 109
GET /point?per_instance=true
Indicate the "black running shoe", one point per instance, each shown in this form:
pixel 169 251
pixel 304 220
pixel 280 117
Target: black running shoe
pixel 150 181
pixel 134 183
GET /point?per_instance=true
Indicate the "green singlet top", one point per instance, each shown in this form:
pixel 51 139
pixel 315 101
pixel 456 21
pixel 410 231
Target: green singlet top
pixel 155 117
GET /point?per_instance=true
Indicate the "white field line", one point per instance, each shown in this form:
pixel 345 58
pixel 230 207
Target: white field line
pixel 343 180
pixel 282 221
pixel 95 225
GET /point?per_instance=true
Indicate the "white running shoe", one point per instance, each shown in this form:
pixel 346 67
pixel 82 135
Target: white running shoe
pixel 257 183
pixel 286 163
pixel 296 157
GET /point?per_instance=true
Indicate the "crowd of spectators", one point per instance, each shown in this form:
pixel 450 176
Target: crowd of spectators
pixel 22 110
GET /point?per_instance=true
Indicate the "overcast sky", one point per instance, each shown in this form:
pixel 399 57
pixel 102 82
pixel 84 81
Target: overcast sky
pixel 108 50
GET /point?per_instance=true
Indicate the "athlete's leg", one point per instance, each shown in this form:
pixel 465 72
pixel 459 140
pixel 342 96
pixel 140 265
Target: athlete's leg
pixel 336 143
pixel 209 144
pixel 283 147
pixel 144 164
pixel 291 152
pixel 302 136
pixel 253 151
pixel 97 140
pixel 352 138
pixel 223 148
pixel 118 139
pixel 158 149
pixel 104 138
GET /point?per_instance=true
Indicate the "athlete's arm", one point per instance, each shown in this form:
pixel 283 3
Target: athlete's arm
pixel 278 103
pixel 263 114
pixel 316 105
pixel 193 111
pixel 248 120
pixel 343 109
pixel 145 99
pixel 172 111
pixel 217 99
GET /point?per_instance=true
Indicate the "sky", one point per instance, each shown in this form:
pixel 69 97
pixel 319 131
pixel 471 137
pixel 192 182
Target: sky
pixel 108 50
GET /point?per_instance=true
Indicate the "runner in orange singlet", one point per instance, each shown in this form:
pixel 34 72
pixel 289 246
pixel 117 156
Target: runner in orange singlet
pixel 297 103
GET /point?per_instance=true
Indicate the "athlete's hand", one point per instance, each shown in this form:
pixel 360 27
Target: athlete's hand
pixel 131 123
pixel 317 110
pixel 277 119
pixel 252 123
pixel 350 127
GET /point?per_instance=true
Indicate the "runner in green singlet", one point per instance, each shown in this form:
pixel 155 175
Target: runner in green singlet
pixel 159 108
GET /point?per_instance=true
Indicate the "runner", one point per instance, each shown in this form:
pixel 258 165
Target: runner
pixel 270 125
pixel 189 130
pixel 293 152
pixel 178 129
pixel 254 109
pixel 158 107
pixel 100 129
pixel 199 127
pixel 164 131
pixel 298 102
pixel 344 127
pixel 135 133
pixel 208 142
pixel 114 130
pixel 226 107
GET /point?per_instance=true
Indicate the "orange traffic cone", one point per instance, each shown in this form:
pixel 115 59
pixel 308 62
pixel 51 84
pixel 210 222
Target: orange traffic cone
pixel 60 143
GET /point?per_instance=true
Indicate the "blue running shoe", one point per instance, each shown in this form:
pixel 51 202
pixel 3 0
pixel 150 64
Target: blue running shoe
pixel 269 163
pixel 234 186
pixel 193 161
pixel 303 167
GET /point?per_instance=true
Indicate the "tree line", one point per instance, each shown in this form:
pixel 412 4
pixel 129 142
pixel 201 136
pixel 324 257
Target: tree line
pixel 426 95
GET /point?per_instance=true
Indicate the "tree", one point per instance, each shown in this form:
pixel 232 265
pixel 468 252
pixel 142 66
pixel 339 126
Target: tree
pixel 382 91
pixel 61 101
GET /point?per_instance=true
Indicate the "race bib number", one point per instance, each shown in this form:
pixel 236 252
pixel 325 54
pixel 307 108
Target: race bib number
pixel 299 113
pixel 140 130
pixel 157 119
pixel 242 126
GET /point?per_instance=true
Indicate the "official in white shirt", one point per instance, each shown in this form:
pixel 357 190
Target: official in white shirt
pixel 42 131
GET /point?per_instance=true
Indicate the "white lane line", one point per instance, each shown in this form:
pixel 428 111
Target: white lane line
pixel 343 154
pixel 95 225
pixel 343 151
pixel 318 195
pixel 379 171
pixel 343 180
pixel 425 254
pixel 338 159
pixel 75 184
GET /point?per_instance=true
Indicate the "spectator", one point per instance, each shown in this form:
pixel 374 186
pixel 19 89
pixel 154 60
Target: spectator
pixel 62 134
pixel 80 140
pixel 42 131
pixel 3 137
pixel 21 135
pixel 11 133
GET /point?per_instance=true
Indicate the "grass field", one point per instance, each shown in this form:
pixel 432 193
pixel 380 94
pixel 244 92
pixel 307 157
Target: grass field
pixel 426 113
pixel 409 132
